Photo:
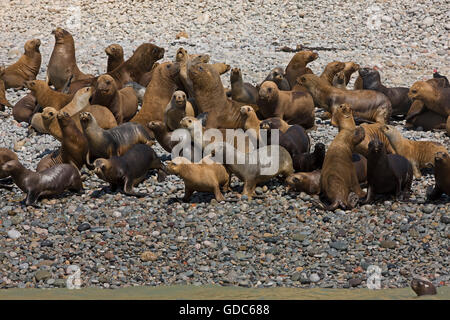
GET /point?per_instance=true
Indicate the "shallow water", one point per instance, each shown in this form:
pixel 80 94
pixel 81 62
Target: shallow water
pixel 219 293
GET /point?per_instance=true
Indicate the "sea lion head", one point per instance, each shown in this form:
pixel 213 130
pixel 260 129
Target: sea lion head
pixel 420 89
pixel 340 77
pixel 173 167
pixel 83 95
pixel 61 34
pixel 246 110
pixel 106 85
pixel 204 75
pixel 441 157
pixel 179 98
pixel 86 118
pixel 199 58
pixel 188 122
pixel 376 147
pixel 10 166
pixel 319 148
pixel 154 125
pixel 369 73
pixel 145 56
pixel 295 181
pixel 49 113
pixel 181 55
pixel 304 57
pixel 341 113
pixel 335 66
pixel 102 167
pixel 35 85
pixel 32 45
pixel 351 66
pixel 276 74
pixel 310 81
pixel 265 124
pixel 268 91
pixel 114 50
pixel 235 74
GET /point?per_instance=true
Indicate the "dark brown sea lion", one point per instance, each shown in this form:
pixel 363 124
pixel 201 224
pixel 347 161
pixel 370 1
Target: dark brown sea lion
pixel 277 75
pixel 113 142
pixel 297 66
pixel 158 93
pixel 331 69
pixel 366 104
pixel 63 63
pixel 307 162
pixel 292 106
pixel 398 96
pixel 162 135
pixel 387 173
pixel 130 169
pixel 338 180
pixel 441 176
pixel 425 118
pixel 115 56
pixel 5 156
pixel 25 108
pixel 295 140
pixel 242 91
pixel 26 68
pixel 52 181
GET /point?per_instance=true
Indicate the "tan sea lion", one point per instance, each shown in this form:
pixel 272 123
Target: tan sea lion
pixel 115 56
pixel 242 91
pixel 46 97
pixel 221 67
pixel 331 69
pixel 292 106
pixel 26 68
pixel 349 69
pixel 177 109
pixel 367 104
pixel 435 98
pixel 185 60
pixel 421 154
pixel 50 182
pixel 339 80
pixel 251 120
pixel 297 66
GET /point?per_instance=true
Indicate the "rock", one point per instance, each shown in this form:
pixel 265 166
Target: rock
pixel 428 21
pixel 354 282
pixel 445 219
pixel 299 236
pixel 314 277
pixel 14 234
pixel 42 275
pixel 422 286
pixel 339 245
pixel 83 227
pixel 148 256
pixel 388 244
pixel 296 276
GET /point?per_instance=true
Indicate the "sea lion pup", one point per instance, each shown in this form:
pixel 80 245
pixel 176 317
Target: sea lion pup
pixel 3 101
pixel 5 156
pixel 435 98
pixel 115 56
pixel 441 176
pixel 158 93
pixel 292 106
pixel 122 103
pixel 421 154
pixel 343 119
pixel 26 68
pixel 274 123
pixel 387 173
pixel 277 75
pixel 251 120
pixel 242 91
pixel 398 96
pixel 295 140
pixel 113 142
pixel 177 109
pixel 201 177
pixel 185 61
pixel 331 69
pixel 50 182
pixel 308 182
pixel 63 62
pixel 338 180
pixel 339 80
pixel 349 69
pixel 366 104
pixel 130 169
pixel 297 66
pixel 309 161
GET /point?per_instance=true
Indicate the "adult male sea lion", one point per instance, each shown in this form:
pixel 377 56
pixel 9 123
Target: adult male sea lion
pixel 115 56
pixel 441 176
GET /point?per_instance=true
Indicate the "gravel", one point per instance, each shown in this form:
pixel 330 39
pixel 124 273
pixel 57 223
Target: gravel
pixel 279 240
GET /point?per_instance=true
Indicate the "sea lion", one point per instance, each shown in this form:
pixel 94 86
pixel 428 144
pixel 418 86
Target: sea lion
pixel 295 141
pixel 367 104
pixel 437 75
pixel 185 61
pixel 5 156
pixel 387 173
pixel 339 80
pixel 162 135
pixel 115 56
pixel 441 176
pixel 349 69
pixel 46 97
pixel 422 286
pixel 308 182
pixel 122 103
pixel 25 108
pixel 251 120
pixel 297 66
pixel 113 142
pixel 221 67
pixel 26 68
pixel 425 119
pixel 3 101
pixel 177 109
pixel 242 91
pixel 360 163
pixel 338 180
pixel 435 98
pixel 274 123
pixel 277 75
pixel 331 69
pixel 421 154
pixel 447 126
pixel 292 106
pixel 343 118
pixel 146 78
pixel 63 63
pixel 50 182
pixel 398 95
pixel 130 169
pixel 309 161
pixel 158 93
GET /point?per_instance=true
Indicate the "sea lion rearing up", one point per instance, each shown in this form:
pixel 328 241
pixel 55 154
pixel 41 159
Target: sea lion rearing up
pixel 112 142
pixel 129 170
pixel 115 56
pixel 367 104
pixel 53 181
pixel 297 66
pixel 26 68
pixel 242 91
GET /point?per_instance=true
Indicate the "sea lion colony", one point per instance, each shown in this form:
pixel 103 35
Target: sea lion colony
pixel 100 126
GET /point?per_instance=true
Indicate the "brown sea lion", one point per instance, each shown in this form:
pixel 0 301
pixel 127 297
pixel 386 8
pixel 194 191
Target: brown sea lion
pixel 26 68
pixel 274 123
pixel 435 98
pixel 292 106
pixel 339 80
pixel 130 169
pixel 46 97
pixel 331 69
pixel 441 176
pixel 200 177
pixel 158 93
pixel 425 118
pixel 162 135
pixel 421 154
pixel 343 119
pixel 63 62
pixel 5 156
pixel 113 142
pixel 308 182
pixel 251 120
pixel 366 104
pixel 147 77
pixel 387 173
pixel 115 56
pixel 178 108
pixel 242 91
pixel 349 69
pixel 3 101
pixel 221 67
pixel 185 61
pixel 50 182
pixel 25 108
pixel 398 96
pixel 297 66
pixel 295 140
pixel 277 75
pixel 338 180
